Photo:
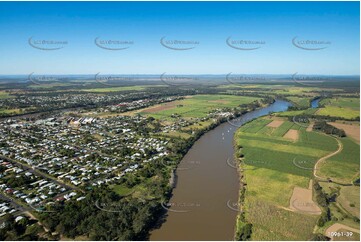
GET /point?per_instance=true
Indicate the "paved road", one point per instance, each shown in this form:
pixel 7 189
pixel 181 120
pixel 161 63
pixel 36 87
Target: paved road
pixel 14 204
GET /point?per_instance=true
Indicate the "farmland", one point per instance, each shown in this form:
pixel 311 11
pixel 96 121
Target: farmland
pixel 277 155
pixel 197 106
pixel 273 166
pixel 348 108
pixel 345 166
pixel 107 89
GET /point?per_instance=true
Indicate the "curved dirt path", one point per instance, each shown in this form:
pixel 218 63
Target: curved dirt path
pixel 340 147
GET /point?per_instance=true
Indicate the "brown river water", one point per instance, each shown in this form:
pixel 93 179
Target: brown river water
pixel 204 201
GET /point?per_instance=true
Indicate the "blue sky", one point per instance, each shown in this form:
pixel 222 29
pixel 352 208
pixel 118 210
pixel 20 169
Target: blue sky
pixel 209 24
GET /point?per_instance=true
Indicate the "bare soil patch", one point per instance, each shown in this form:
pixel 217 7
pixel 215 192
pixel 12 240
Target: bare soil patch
pixel 275 123
pixel 292 134
pixel 161 107
pixel 301 201
pixel 309 128
pixel 351 130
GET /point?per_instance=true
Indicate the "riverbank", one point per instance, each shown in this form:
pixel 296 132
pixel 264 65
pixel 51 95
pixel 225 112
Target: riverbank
pixel 207 191
pixel 273 165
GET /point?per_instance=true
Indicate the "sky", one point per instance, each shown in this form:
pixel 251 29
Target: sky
pixel 276 35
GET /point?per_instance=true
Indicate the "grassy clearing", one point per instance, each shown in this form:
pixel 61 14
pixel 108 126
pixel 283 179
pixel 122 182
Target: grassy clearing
pixel 122 190
pixel 340 107
pixel 199 125
pixel 11 111
pixel 16 111
pixel 353 103
pixel 308 111
pixel 341 210
pixel 176 134
pixel 4 95
pixel 339 112
pixel 272 223
pixel 349 199
pixel 265 185
pixel 301 102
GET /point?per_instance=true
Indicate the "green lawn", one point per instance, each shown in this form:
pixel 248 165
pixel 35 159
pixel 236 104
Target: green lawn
pixel 122 190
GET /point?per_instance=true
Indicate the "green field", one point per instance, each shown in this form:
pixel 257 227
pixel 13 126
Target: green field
pixel 277 152
pixel 10 111
pixel 340 107
pixel 50 85
pixel 197 106
pixel 4 95
pixel 347 205
pixel 273 166
pixel 344 166
pixel 271 223
pixel 301 101
pixel 119 89
pixel 308 111
pixel 350 199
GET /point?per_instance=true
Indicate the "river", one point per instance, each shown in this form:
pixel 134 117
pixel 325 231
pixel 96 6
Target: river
pixel 203 205
pixel 315 102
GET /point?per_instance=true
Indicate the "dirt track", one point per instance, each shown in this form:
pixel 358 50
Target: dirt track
pixel 340 147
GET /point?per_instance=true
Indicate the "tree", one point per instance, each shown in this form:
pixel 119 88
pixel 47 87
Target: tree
pixel 319 237
pixel 244 232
